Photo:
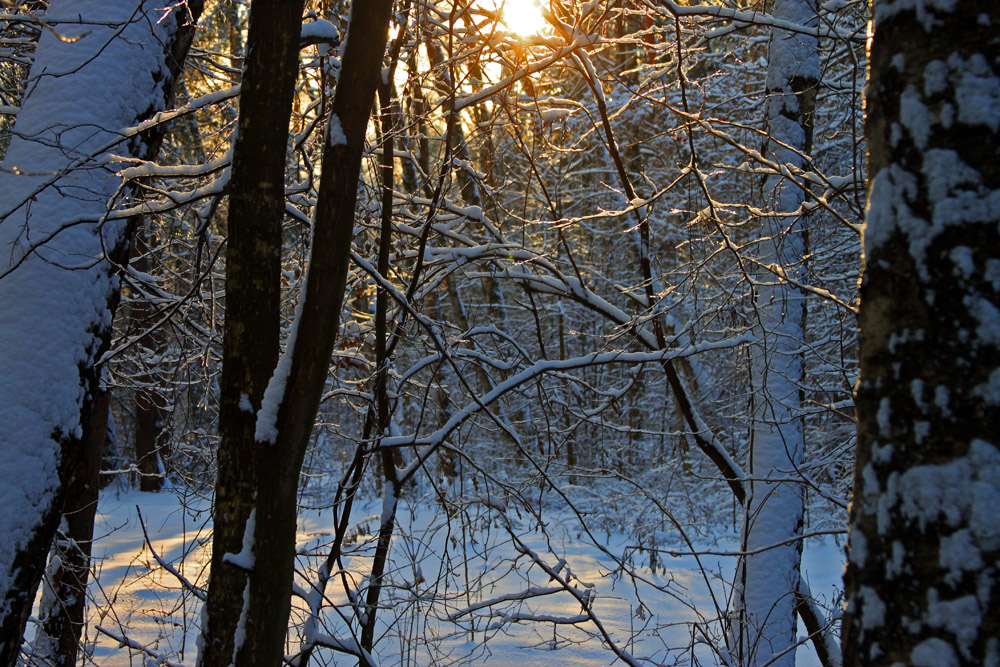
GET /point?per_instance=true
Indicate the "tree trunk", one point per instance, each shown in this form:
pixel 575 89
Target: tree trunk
pixel 285 420
pixel 65 592
pixel 58 289
pixel 923 573
pixel 253 293
pixel 150 404
pixel 769 576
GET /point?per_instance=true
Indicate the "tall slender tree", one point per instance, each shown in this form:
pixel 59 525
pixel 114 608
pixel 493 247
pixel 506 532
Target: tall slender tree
pixel 774 508
pixel 285 420
pixel 923 574
pixel 253 292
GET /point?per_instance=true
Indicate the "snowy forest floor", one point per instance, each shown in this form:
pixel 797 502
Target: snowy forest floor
pixel 661 616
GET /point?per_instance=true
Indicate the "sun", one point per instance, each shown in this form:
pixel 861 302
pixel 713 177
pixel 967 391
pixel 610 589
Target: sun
pixel 523 17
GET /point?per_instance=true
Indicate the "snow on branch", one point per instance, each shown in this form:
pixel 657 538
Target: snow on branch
pixel 432 440
pixel 585 598
pixel 348 646
pixel 526 594
pixel 580 42
pixel 124 642
pixel 744 19
pixel 185 582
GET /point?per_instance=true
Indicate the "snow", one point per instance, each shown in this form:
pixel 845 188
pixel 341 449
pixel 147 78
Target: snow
pixel 891 188
pixel 432 440
pixel 144 600
pixel 989 391
pixel 335 132
pixel 508 611
pixel 872 613
pixel 320 30
pixel 926 10
pixel 992 273
pixel 245 558
pixel 859 548
pixel 553 114
pixel 895 566
pixel 963 491
pixel 941 400
pixel 965 265
pixel 958 554
pixel 884 417
pixel 239 636
pixel 955 190
pixel 987 316
pixel 915 116
pixel 936 77
pixel 933 652
pixel 953 187
pixel 470 212
pixel 54 286
pixel 977 91
pixel 389 502
pixel 577 45
pixel 267 418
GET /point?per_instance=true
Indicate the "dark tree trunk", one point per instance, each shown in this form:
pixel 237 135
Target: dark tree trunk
pixel 280 454
pixel 149 412
pixel 252 327
pixel 923 573
pixel 150 404
pixel 65 595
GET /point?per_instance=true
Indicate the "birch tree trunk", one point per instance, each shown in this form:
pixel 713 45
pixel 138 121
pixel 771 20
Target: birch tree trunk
pixel 102 67
pixel 923 572
pixel 774 509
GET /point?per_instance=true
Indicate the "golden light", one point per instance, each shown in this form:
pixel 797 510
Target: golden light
pixel 523 17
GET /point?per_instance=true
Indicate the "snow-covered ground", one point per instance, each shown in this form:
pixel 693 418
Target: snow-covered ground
pixel 433 616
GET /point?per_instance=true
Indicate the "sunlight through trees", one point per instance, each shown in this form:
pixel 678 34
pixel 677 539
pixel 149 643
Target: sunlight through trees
pixel 495 332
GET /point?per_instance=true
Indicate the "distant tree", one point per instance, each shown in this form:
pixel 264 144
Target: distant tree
pixel 774 517
pixel 923 574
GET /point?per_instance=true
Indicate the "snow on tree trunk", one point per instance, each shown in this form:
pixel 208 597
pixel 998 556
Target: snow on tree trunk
pixel 774 510
pixel 923 574
pixel 100 68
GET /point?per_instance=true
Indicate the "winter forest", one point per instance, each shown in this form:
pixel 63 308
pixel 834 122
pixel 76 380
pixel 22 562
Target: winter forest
pixel 499 332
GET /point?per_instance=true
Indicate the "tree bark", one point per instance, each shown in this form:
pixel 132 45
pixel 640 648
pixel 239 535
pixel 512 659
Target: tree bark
pixel 285 421
pixel 65 593
pixel 150 404
pixel 923 572
pixel 253 293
